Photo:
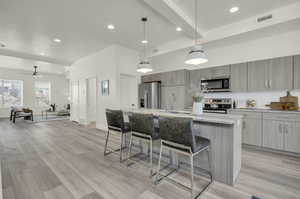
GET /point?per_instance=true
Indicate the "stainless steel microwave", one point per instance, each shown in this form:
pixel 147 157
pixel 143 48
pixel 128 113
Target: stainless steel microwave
pixel 216 85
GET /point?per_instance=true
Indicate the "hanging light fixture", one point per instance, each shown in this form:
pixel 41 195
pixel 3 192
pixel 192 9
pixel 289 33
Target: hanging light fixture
pixel 35 74
pixel 196 55
pixel 144 65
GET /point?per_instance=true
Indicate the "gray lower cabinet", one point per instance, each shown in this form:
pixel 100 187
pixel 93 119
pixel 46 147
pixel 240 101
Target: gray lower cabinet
pixel 292 137
pixel 239 77
pixel 297 72
pixel 273 136
pixel 281 131
pixel 251 127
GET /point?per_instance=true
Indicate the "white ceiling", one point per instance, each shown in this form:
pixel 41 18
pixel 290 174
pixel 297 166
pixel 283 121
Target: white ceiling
pixel 28 27
pixel 215 13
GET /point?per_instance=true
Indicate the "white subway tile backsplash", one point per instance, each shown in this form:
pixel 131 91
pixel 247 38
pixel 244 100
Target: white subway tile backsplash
pixel 262 98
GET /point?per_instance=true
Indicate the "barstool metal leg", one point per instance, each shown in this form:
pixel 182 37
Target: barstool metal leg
pixel 129 150
pixel 159 159
pixel 151 163
pixel 192 175
pixel 209 163
pixel 106 141
pixel 121 149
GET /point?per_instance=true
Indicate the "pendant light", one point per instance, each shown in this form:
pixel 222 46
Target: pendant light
pixel 144 65
pixel 196 55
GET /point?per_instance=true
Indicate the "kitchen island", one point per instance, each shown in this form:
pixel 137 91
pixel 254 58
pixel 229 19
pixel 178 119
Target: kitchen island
pixel 224 132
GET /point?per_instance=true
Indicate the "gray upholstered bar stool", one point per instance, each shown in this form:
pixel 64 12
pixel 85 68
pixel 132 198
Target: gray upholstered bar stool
pixel 142 129
pixel 115 122
pixel 177 135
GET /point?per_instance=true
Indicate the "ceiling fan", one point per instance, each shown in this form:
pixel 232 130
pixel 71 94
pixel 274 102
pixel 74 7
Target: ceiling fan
pixel 35 73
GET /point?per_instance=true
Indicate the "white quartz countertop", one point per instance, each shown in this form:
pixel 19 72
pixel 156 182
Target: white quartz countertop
pixel 205 117
pixel 264 110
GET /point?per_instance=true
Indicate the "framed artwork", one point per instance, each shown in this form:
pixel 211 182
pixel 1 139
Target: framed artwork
pixel 105 87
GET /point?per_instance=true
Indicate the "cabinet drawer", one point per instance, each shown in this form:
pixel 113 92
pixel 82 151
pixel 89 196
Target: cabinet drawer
pixel 282 116
pixel 247 114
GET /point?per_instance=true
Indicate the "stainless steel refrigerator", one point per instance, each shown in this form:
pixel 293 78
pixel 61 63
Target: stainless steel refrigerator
pixel 150 95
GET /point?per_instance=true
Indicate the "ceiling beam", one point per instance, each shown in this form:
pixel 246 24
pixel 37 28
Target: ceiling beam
pixel 18 54
pixel 173 13
pixel 280 16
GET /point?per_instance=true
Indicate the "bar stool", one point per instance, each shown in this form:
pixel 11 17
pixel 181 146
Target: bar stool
pixel 115 122
pixel 142 128
pixel 177 135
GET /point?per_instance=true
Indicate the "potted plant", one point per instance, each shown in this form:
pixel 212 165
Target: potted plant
pixel 198 103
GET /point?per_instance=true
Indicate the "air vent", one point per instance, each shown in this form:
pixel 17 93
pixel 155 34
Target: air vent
pixel 264 18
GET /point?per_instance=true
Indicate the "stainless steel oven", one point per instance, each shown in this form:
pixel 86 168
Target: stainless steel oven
pixel 216 85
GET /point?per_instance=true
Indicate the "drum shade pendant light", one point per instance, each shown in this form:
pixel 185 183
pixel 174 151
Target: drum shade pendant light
pixel 144 65
pixel 196 55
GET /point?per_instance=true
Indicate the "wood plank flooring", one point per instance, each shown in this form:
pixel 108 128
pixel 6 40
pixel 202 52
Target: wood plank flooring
pixel 61 160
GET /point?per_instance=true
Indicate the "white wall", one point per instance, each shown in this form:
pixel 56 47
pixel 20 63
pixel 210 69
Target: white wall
pixel 59 89
pixel 107 64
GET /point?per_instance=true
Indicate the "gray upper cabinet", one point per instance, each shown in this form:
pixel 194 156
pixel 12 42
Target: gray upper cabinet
pixel 205 73
pixel 297 72
pixel 257 75
pixel 281 74
pixel 174 78
pixel 220 72
pixel 151 78
pixel 271 74
pixel 239 77
pixel 173 97
pixel 195 79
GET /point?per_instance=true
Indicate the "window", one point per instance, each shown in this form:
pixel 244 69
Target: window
pixel 42 93
pixel 11 93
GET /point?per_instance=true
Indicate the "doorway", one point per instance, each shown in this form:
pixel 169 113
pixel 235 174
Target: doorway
pixel 92 101
pixel 129 91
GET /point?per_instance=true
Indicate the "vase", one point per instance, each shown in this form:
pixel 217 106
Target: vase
pixel 198 108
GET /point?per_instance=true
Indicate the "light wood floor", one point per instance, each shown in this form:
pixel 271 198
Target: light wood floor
pixel 61 160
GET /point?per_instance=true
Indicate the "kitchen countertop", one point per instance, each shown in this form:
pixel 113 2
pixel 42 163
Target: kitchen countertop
pixel 263 110
pixel 205 117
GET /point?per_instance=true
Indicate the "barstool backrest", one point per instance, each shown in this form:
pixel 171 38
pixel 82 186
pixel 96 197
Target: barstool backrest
pixel 142 123
pixel 115 119
pixel 177 130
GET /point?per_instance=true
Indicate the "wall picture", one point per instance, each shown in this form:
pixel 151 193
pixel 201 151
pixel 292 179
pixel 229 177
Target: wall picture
pixel 105 87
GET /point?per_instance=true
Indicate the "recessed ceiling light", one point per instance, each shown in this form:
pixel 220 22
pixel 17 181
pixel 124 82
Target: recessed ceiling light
pixel 178 29
pixel 42 54
pixel 57 40
pixel 234 9
pixel 2 45
pixel 144 41
pixel 110 27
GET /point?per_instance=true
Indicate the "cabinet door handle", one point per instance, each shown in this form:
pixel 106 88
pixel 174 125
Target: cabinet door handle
pixel 286 129
pixel 280 128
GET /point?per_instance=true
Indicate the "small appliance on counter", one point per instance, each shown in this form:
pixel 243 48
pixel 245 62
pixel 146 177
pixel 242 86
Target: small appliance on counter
pixel 288 103
pixel 250 103
pixel 217 105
